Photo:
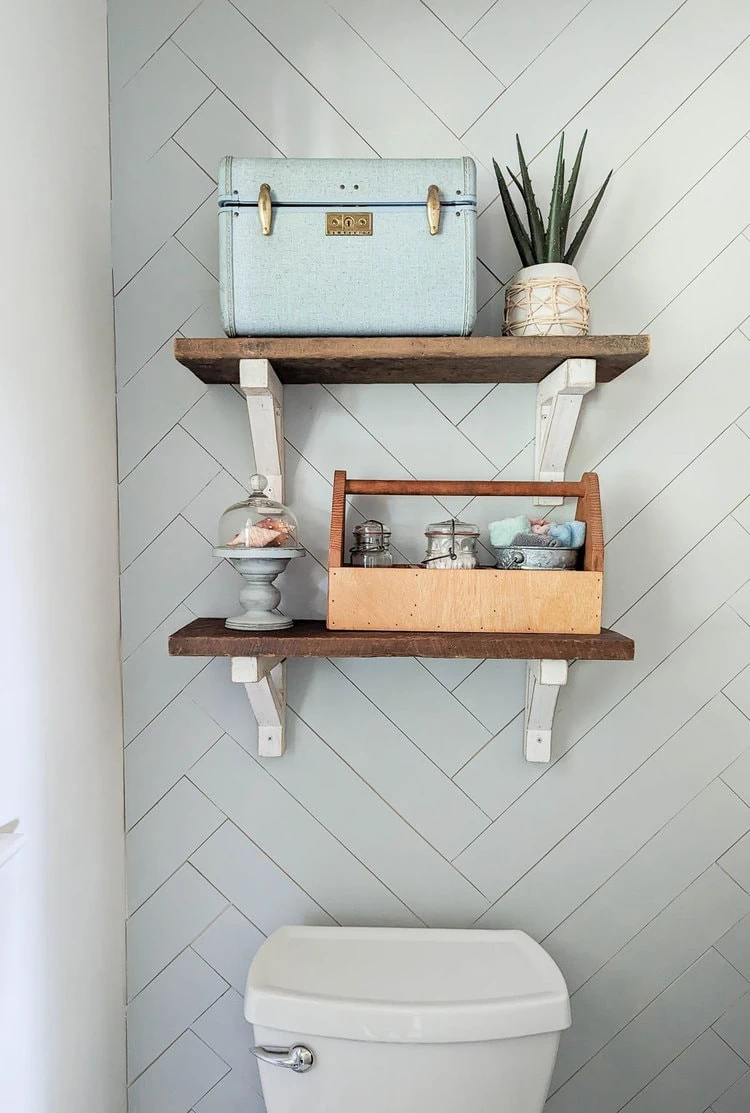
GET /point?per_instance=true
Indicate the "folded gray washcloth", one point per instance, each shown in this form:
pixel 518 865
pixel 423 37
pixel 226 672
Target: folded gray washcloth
pixel 535 541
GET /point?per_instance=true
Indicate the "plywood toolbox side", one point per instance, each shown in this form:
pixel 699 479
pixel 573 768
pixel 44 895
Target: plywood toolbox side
pixel 486 599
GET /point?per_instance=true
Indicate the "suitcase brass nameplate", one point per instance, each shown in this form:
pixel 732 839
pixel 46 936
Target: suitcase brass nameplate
pixel 348 224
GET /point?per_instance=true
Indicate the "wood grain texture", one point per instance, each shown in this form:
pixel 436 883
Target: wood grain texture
pixel 590 511
pixel 338 512
pixel 409 359
pixel 484 599
pixel 474 487
pixel 208 637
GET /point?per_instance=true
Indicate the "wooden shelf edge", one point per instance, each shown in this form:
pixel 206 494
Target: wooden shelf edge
pixel 209 637
pixel 409 359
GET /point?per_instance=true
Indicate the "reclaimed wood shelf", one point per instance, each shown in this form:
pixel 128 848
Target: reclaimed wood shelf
pixel 565 368
pixel 209 637
pixel 410 359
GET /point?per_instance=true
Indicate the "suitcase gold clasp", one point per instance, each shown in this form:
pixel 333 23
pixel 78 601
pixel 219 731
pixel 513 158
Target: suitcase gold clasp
pixel 265 209
pixel 433 209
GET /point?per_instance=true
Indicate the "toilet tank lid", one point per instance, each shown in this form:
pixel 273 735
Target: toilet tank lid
pixel 405 985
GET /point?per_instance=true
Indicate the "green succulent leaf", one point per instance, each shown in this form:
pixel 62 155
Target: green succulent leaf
pixel 572 251
pixel 515 179
pixel 536 224
pixel 517 230
pixel 537 244
pixel 567 204
pixel 554 240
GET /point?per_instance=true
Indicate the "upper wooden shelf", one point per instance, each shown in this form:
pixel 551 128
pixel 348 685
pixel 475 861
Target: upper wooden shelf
pixel 209 637
pixel 410 359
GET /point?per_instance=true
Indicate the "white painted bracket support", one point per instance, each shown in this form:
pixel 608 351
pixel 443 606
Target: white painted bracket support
pixel 264 395
pixel 558 404
pixel 265 677
pixel 543 682
pixel 265 683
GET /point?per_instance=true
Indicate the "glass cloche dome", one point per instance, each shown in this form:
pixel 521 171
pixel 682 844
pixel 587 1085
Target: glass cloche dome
pixel 258 522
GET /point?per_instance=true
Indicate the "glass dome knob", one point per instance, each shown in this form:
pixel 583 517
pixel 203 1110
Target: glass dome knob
pixel 258 484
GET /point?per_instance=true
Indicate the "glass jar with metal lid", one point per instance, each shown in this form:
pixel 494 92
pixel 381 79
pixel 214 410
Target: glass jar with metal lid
pixel 372 547
pixel 451 544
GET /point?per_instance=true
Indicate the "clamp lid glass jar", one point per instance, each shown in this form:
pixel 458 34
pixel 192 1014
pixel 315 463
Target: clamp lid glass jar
pixel 372 545
pixel 451 544
pixel 258 521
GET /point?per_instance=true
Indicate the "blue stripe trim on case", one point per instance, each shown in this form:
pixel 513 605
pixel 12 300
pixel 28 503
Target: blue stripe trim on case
pixel 233 203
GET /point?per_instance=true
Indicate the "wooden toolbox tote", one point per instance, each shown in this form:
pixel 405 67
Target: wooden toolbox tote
pixel 483 599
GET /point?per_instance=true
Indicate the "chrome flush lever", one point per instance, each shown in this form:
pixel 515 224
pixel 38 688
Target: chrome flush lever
pixel 298 1058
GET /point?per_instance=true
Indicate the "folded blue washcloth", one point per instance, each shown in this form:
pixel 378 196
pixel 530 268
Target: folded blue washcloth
pixel 503 532
pixel 570 535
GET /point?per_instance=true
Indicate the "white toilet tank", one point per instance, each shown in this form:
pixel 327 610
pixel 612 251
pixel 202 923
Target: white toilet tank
pixel 388 1020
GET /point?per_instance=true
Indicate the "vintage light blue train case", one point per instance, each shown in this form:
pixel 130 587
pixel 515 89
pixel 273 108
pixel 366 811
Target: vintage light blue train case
pixel 347 247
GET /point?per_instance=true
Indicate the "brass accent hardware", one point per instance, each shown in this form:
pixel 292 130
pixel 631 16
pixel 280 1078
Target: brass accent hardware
pixel 349 224
pixel 265 209
pixel 433 209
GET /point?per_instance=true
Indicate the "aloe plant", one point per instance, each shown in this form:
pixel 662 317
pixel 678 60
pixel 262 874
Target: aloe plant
pixel 535 243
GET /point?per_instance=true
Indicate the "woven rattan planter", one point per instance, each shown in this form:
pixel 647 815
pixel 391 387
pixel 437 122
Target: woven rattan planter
pixel 546 300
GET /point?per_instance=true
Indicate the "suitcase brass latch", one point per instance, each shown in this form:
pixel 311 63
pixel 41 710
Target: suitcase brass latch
pixel 349 224
pixel 433 209
pixel 265 209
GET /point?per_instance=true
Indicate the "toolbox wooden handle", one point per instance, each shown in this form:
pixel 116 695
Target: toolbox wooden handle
pixel 587 493
pixel 460 487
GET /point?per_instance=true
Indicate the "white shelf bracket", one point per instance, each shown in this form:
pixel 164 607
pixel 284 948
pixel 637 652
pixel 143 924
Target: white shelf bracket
pixel 264 395
pixel 543 682
pixel 558 404
pixel 265 683
pixel 265 677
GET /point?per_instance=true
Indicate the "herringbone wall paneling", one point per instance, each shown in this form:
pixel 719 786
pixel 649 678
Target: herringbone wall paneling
pixel 404 797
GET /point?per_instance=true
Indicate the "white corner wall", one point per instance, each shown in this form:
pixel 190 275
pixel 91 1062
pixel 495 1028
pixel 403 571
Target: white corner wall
pixel 62 896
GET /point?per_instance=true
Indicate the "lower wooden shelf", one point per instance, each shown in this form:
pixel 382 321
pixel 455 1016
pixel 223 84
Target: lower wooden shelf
pixel 258 660
pixel 209 637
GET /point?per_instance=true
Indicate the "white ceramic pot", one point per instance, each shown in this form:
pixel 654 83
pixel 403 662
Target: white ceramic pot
pixel 548 299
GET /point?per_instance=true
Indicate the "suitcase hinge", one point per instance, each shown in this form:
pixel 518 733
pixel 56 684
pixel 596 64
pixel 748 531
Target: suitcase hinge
pixel 433 209
pixel 265 209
